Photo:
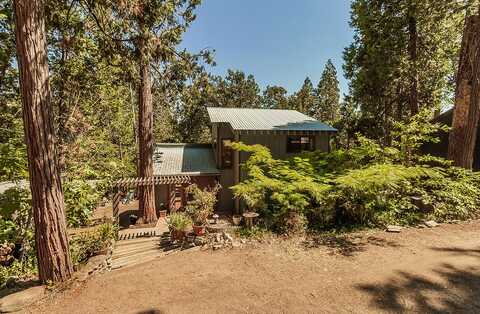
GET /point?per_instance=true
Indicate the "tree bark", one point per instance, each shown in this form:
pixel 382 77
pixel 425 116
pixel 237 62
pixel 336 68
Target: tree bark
pixel 54 263
pixel 145 139
pixel 465 116
pixel 412 49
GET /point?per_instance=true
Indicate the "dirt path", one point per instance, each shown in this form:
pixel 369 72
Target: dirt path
pixel 418 270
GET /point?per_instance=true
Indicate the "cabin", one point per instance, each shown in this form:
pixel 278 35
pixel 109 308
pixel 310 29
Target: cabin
pixel 284 132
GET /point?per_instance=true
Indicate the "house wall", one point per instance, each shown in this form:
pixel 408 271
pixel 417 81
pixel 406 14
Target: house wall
pixel 226 179
pixel 165 192
pixel 277 143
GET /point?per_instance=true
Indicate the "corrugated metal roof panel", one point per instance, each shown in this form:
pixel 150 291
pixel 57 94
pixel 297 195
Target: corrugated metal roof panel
pixel 266 119
pixel 188 159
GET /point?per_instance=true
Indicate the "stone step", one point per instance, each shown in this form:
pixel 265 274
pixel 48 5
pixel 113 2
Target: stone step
pixel 130 260
pixel 138 241
pixel 136 251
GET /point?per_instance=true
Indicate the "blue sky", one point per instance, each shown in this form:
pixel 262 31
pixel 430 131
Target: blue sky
pixel 280 42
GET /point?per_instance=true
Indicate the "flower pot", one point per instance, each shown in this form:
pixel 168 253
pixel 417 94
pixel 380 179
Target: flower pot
pixel 199 230
pixel 177 234
pixel 237 219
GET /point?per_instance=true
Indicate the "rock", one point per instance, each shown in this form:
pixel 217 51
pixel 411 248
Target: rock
pixel 217 247
pixel 235 244
pixel 218 237
pixel 94 263
pixel 243 241
pixel 227 237
pixel 393 228
pixel 199 241
pixel 431 224
pixel 17 301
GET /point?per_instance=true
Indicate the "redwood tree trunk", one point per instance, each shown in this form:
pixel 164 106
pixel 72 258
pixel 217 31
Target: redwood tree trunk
pixel 145 141
pixel 471 129
pixel 463 134
pixel 54 263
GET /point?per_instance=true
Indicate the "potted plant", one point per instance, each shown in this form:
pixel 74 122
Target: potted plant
pixel 201 206
pixel 178 224
pixel 162 213
pixel 237 219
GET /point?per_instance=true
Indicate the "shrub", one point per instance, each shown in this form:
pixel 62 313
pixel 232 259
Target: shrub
pixel 179 221
pixel 18 270
pixel 81 199
pixel 274 189
pixel 202 204
pixel 367 185
pixel 87 244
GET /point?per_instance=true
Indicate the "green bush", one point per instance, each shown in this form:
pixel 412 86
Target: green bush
pixel 202 203
pixel 366 185
pixel 81 198
pixel 179 221
pixel 18 270
pixel 87 244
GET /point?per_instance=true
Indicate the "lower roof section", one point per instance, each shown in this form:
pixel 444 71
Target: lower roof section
pixel 184 159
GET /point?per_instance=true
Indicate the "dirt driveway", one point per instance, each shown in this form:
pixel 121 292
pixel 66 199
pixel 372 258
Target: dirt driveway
pixel 418 270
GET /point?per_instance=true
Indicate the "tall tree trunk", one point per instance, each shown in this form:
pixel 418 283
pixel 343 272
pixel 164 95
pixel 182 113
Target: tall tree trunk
pixel 463 133
pixel 54 263
pixel 145 139
pixel 412 51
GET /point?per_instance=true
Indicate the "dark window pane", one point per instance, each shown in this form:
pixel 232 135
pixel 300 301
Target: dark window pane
pixel 227 153
pixel 296 144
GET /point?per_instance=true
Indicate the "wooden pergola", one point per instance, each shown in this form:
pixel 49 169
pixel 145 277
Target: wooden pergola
pixel 122 185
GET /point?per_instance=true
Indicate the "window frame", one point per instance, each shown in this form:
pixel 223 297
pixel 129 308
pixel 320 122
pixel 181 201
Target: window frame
pixel 302 146
pixel 223 153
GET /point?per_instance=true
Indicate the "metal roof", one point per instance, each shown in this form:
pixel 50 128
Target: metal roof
pixel 266 119
pixel 184 159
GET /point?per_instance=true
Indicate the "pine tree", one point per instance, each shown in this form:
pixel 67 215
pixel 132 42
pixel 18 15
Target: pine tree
pixel 304 99
pixel 275 97
pixel 402 58
pixel 143 33
pixel 328 95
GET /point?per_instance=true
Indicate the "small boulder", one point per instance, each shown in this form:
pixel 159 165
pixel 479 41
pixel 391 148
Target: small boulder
pixel 227 237
pixel 393 228
pixel 17 301
pixel 431 223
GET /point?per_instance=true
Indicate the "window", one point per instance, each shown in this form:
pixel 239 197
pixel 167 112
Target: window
pixel 296 144
pixel 226 153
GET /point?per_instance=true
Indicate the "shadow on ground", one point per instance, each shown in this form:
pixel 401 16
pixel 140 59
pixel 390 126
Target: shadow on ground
pixel 151 311
pixel 347 244
pixel 454 289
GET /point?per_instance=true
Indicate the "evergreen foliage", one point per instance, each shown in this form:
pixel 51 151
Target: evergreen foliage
pixel 328 96
pixel 368 184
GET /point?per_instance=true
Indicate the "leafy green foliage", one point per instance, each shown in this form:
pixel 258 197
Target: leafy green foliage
pixel 179 221
pixel 201 206
pixel 87 244
pixel 25 269
pixel 328 96
pixel 81 198
pixel 16 222
pixel 304 100
pixel 368 184
pixel 382 64
pixel 275 190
